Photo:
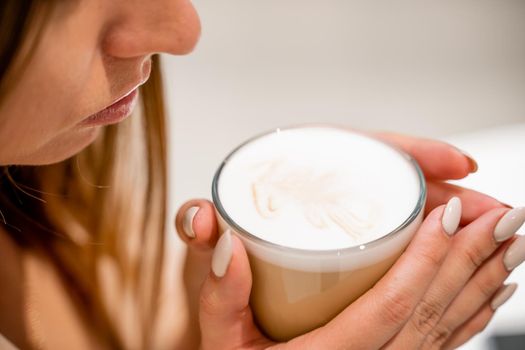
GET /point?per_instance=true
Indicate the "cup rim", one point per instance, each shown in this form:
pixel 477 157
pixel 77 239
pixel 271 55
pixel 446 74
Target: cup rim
pixel 338 251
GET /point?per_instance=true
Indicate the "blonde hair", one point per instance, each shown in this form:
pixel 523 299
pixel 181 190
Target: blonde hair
pixel 100 216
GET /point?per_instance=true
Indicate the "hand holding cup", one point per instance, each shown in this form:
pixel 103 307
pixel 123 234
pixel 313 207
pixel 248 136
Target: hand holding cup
pixel 408 306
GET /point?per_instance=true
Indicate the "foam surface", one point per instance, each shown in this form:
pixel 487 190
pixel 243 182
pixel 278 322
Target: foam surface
pixel 318 188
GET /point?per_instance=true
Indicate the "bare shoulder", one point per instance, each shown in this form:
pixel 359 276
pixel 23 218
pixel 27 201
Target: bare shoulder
pixel 35 307
pixel 11 290
pixel 10 253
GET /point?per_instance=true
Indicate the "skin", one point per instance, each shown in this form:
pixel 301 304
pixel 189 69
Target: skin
pixel 456 277
pixel 92 53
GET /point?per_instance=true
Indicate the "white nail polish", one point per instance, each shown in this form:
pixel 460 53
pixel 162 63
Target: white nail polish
pixel 503 295
pixel 515 254
pixel 451 216
pixel 222 254
pixel 509 224
pixel 187 221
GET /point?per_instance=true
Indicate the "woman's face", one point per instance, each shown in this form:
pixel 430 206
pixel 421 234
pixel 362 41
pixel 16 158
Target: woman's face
pixel 90 55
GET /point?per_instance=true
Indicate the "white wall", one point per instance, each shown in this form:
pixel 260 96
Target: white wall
pixel 417 66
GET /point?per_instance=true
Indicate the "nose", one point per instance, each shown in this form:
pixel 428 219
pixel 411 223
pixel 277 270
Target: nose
pixel 142 28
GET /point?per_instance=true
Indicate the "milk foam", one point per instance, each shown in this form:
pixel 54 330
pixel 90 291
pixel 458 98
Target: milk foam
pixel 318 188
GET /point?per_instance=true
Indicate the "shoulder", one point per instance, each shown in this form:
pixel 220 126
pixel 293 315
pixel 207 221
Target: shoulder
pixel 11 290
pixel 35 307
pixel 11 257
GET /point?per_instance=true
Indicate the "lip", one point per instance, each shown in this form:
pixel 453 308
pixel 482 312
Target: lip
pixel 114 113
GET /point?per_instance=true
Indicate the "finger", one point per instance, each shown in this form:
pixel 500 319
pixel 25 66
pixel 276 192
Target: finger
pixel 390 303
pixel 196 224
pixel 478 291
pixel 437 159
pixel 471 246
pixel 473 327
pixel 474 203
pixel 480 321
pixel 481 288
pixel 226 319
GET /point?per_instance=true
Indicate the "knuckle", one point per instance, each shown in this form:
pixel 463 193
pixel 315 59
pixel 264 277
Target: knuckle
pixel 431 257
pixel 397 307
pixel 209 302
pixel 473 257
pixel 486 287
pixel 438 336
pixel 426 315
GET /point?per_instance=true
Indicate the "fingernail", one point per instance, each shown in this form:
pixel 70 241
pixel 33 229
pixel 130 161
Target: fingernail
pixel 472 163
pixel 451 216
pixel 222 254
pixel 187 221
pixel 509 224
pixel 503 295
pixel 515 255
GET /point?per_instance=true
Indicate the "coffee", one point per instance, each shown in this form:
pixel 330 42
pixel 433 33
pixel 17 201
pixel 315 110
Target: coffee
pixel 323 213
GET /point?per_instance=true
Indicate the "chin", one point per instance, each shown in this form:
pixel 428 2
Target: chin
pixel 61 148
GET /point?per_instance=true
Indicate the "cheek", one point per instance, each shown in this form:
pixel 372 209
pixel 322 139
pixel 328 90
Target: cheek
pixel 58 88
pixel 33 114
pixel 39 116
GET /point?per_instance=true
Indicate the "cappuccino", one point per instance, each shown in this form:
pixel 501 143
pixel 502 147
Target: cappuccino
pixel 323 212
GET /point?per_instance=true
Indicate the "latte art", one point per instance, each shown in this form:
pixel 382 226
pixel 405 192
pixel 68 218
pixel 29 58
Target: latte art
pixel 322 197
pixel 318 188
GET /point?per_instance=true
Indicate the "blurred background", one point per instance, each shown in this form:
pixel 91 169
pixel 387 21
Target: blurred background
pixel 448 69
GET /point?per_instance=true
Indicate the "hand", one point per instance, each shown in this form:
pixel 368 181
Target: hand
pixel 440 162
pixel 446 308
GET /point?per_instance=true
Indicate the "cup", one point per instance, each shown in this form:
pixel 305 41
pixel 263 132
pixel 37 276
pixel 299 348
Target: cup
pixel 295 288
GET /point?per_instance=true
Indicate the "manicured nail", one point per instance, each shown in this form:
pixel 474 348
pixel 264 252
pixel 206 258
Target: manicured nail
pixel 451 216
pixel 222 254
pixel 509 224
pixel 515 255
pixel 187 221
pixel 503 295
pixel 472 163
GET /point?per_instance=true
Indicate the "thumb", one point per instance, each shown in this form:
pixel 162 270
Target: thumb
pixel 226 319
pixel 196 224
